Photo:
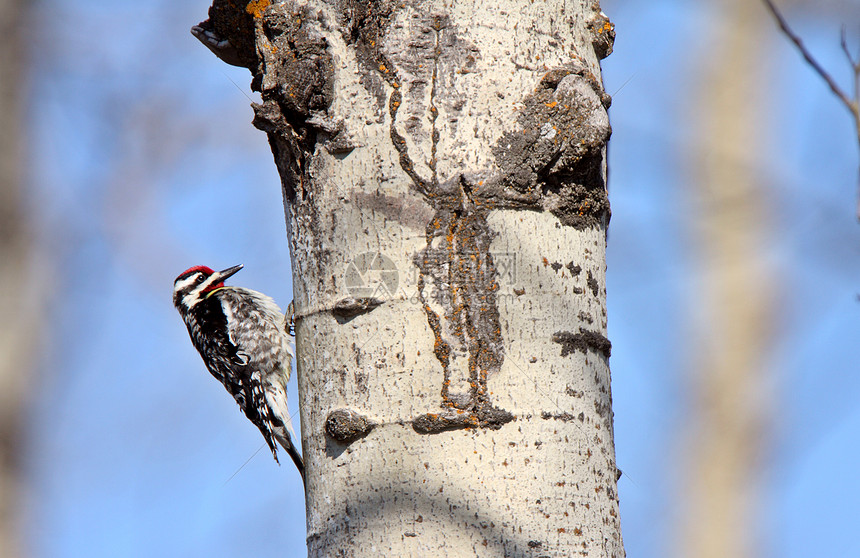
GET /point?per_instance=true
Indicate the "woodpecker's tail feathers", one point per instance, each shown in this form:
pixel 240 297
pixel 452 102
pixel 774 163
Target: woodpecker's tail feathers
pixel 287 443
pixel 274 449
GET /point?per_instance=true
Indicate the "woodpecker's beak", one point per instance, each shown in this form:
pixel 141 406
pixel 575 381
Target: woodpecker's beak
pixel 227 273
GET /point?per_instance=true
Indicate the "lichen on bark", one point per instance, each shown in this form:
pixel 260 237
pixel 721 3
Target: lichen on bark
pixel 457 288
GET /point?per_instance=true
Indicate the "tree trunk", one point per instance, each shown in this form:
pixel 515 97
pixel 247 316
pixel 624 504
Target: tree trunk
pixel 443 172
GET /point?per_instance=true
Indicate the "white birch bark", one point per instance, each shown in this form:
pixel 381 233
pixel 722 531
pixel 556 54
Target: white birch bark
pixel 444 182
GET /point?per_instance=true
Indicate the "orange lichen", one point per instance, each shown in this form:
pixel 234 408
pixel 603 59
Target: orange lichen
pixel 583 208
pixel 257 7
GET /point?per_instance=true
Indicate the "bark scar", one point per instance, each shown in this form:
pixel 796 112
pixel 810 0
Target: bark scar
pixel 582 341
pixel 346 426
pixel 455 265
pixel 457 277
pixel 347 308
pixel 457 288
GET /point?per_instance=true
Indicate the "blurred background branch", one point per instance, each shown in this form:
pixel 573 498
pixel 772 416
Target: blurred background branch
pixel 23 290
pixel 727 436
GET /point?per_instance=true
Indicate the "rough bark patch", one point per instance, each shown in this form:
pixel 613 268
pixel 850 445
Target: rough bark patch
pixel 592 284
pixel 582 341
pixel 230 20
pixel 299 74
pixel 602 33
pixel 347 308
pixel 433 423
pixel 346 426
pixel 555 157
pixel 364 23
pixel 294 73
pixel 564 417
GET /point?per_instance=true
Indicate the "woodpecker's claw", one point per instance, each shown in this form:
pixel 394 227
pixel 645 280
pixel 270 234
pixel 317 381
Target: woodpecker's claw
pixel 290 319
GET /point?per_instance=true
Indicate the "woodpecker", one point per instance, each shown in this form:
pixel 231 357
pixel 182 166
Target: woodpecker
pixel 246 344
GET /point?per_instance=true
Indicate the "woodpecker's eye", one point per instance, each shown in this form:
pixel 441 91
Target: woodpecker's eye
pixel 200 278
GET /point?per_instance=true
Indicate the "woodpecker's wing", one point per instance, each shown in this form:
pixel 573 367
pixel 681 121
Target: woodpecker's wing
pixel 207 326
pixel 257 329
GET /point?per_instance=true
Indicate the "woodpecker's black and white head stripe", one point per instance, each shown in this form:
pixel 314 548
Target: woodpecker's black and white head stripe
pixel 196 283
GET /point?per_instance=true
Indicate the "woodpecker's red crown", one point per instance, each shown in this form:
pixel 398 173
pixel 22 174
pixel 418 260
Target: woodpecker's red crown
pixel 203 268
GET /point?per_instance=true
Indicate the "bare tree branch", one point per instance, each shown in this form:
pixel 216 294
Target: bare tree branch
pixel 853 105
pixel 844 42
pixel 855 65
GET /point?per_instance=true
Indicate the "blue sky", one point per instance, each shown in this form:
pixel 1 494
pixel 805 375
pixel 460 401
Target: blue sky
pixel 148 164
